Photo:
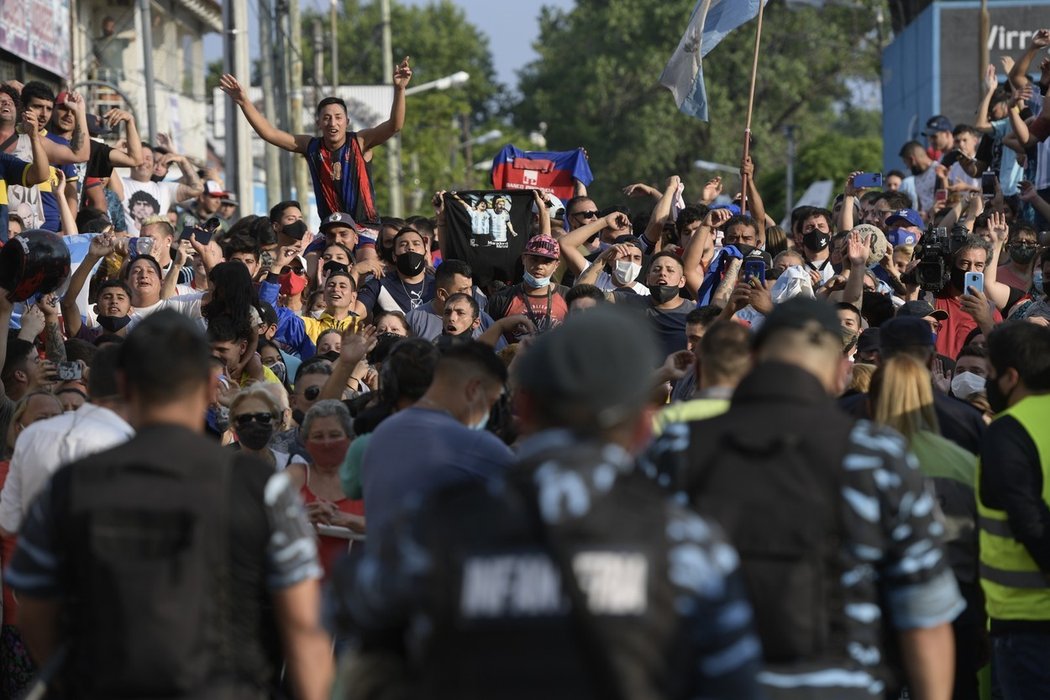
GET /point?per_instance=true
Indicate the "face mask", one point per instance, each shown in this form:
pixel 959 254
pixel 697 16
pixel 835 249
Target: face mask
pixel 536 282
pixel 280 370
pixel 254 436
pixel 1023 256
pixel 625 271
pixel 329 453
pixel 816 240
pixel 967 384
pixel 298 415
pixel 958 279
pixel 112 324
pixel 296 230
pixel 410 264
pixel 317 313
pixel 997 400
pixel 663 293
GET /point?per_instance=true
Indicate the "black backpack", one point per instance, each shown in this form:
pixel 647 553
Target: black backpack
pixel 782 514
pixel 150 551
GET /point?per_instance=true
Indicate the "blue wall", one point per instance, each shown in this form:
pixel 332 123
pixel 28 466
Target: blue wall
pixel 910 84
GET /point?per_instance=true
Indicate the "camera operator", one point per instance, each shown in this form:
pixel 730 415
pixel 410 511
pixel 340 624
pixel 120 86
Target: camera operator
pixel 958 256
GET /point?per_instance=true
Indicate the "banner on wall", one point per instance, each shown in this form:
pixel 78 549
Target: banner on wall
pixel 38 32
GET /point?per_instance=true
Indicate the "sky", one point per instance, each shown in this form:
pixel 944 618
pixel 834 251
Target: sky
pixel 511 26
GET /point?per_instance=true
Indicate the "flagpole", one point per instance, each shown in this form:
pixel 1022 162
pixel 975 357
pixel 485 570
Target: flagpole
pixel 744 180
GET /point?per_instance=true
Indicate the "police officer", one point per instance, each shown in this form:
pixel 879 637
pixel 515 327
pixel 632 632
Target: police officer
pixel 839 539
pixel 1013 508
pixel 573 578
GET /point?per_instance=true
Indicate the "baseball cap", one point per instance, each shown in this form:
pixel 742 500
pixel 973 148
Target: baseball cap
pixel 799 313
pixel 898 236
pixel 908 217
pixel 921 309
pixel 62 98
pixel 937 124
pixel 543 246
pixel 559 368
pixel 230 198
pixel 213 189
pixel 339 219
pixel 904 331
pixel 868 340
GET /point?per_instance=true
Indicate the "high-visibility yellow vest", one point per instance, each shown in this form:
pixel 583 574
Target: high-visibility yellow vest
pixel 1014 587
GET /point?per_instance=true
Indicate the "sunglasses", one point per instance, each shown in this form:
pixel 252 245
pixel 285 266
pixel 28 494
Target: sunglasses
pixel 261 418
pixel 311 393
pixel 592 214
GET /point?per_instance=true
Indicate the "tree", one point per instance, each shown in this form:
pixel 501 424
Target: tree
pixel 596 85
pixel 440 41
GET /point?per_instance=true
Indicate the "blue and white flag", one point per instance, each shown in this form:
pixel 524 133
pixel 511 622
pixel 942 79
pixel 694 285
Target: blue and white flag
pixel 710 22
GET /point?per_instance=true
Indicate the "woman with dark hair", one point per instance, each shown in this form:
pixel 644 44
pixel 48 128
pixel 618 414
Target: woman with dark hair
pixel 231 292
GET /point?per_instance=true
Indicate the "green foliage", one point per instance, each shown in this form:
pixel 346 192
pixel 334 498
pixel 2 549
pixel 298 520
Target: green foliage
pixel 439 41
pixel 596 85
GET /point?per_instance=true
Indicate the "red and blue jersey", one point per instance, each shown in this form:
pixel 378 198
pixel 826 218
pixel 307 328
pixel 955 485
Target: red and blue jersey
pixel 547 171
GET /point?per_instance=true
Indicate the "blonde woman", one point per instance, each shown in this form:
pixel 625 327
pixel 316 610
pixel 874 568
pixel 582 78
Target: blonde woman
pixel 256 415
pixel 902 398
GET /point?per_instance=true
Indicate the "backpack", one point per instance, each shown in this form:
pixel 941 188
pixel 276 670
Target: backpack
pixel 781 513
pixel 150 548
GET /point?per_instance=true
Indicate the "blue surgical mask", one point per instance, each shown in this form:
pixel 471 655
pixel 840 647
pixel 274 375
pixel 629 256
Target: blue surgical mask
pixel 536 282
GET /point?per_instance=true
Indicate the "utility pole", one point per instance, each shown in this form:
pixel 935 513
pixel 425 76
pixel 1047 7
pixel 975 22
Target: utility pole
pixel 393 146
pixel 267 78
pixel 334 43
pixel 238 146
pixel 468 150
pixel 318 35
pixel 283 93
pixel 146 21
pixel 295 34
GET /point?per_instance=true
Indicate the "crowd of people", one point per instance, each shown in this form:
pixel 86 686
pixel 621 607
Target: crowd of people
pixel 680 452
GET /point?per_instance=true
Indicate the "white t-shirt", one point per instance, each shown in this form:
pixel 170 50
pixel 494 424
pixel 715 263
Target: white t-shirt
pixel 156 198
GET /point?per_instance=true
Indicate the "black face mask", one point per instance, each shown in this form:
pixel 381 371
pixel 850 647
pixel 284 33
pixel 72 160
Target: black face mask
pixel 410 264
pixel 112 324
pixel 663 293
pixel 959 279
pixel 816 240
pixel 1022 255
pixel 298 415
pixel 296 230
pixel 745 249
pixel 997 400
pixel 254 436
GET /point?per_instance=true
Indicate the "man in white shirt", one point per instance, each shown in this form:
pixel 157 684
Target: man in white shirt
pixel 144 198
pixel 46 445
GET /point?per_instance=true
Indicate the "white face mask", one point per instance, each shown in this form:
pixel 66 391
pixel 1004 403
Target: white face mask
pixel 625 271
pixel 966 384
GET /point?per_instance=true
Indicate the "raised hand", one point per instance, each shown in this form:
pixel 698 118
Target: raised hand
pixel 637 189
pixel 858 248
pixel 990 79
pixel 357 344
pixel 402 74
pixel 1041 38
pixel 678 364
pixel 102 245
pixel 230 85
pixel 717 217
pixel 998 227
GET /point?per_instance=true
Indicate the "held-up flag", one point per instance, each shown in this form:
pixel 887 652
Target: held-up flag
pixel 710 22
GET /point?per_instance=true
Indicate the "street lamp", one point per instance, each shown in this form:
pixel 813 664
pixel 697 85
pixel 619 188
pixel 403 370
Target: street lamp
pixel 457 78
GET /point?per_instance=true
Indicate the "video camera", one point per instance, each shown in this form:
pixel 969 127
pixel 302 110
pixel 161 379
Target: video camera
pixel 935 252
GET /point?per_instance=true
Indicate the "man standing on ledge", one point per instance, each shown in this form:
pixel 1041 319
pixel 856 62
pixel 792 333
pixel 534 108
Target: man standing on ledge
pixel 339 159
